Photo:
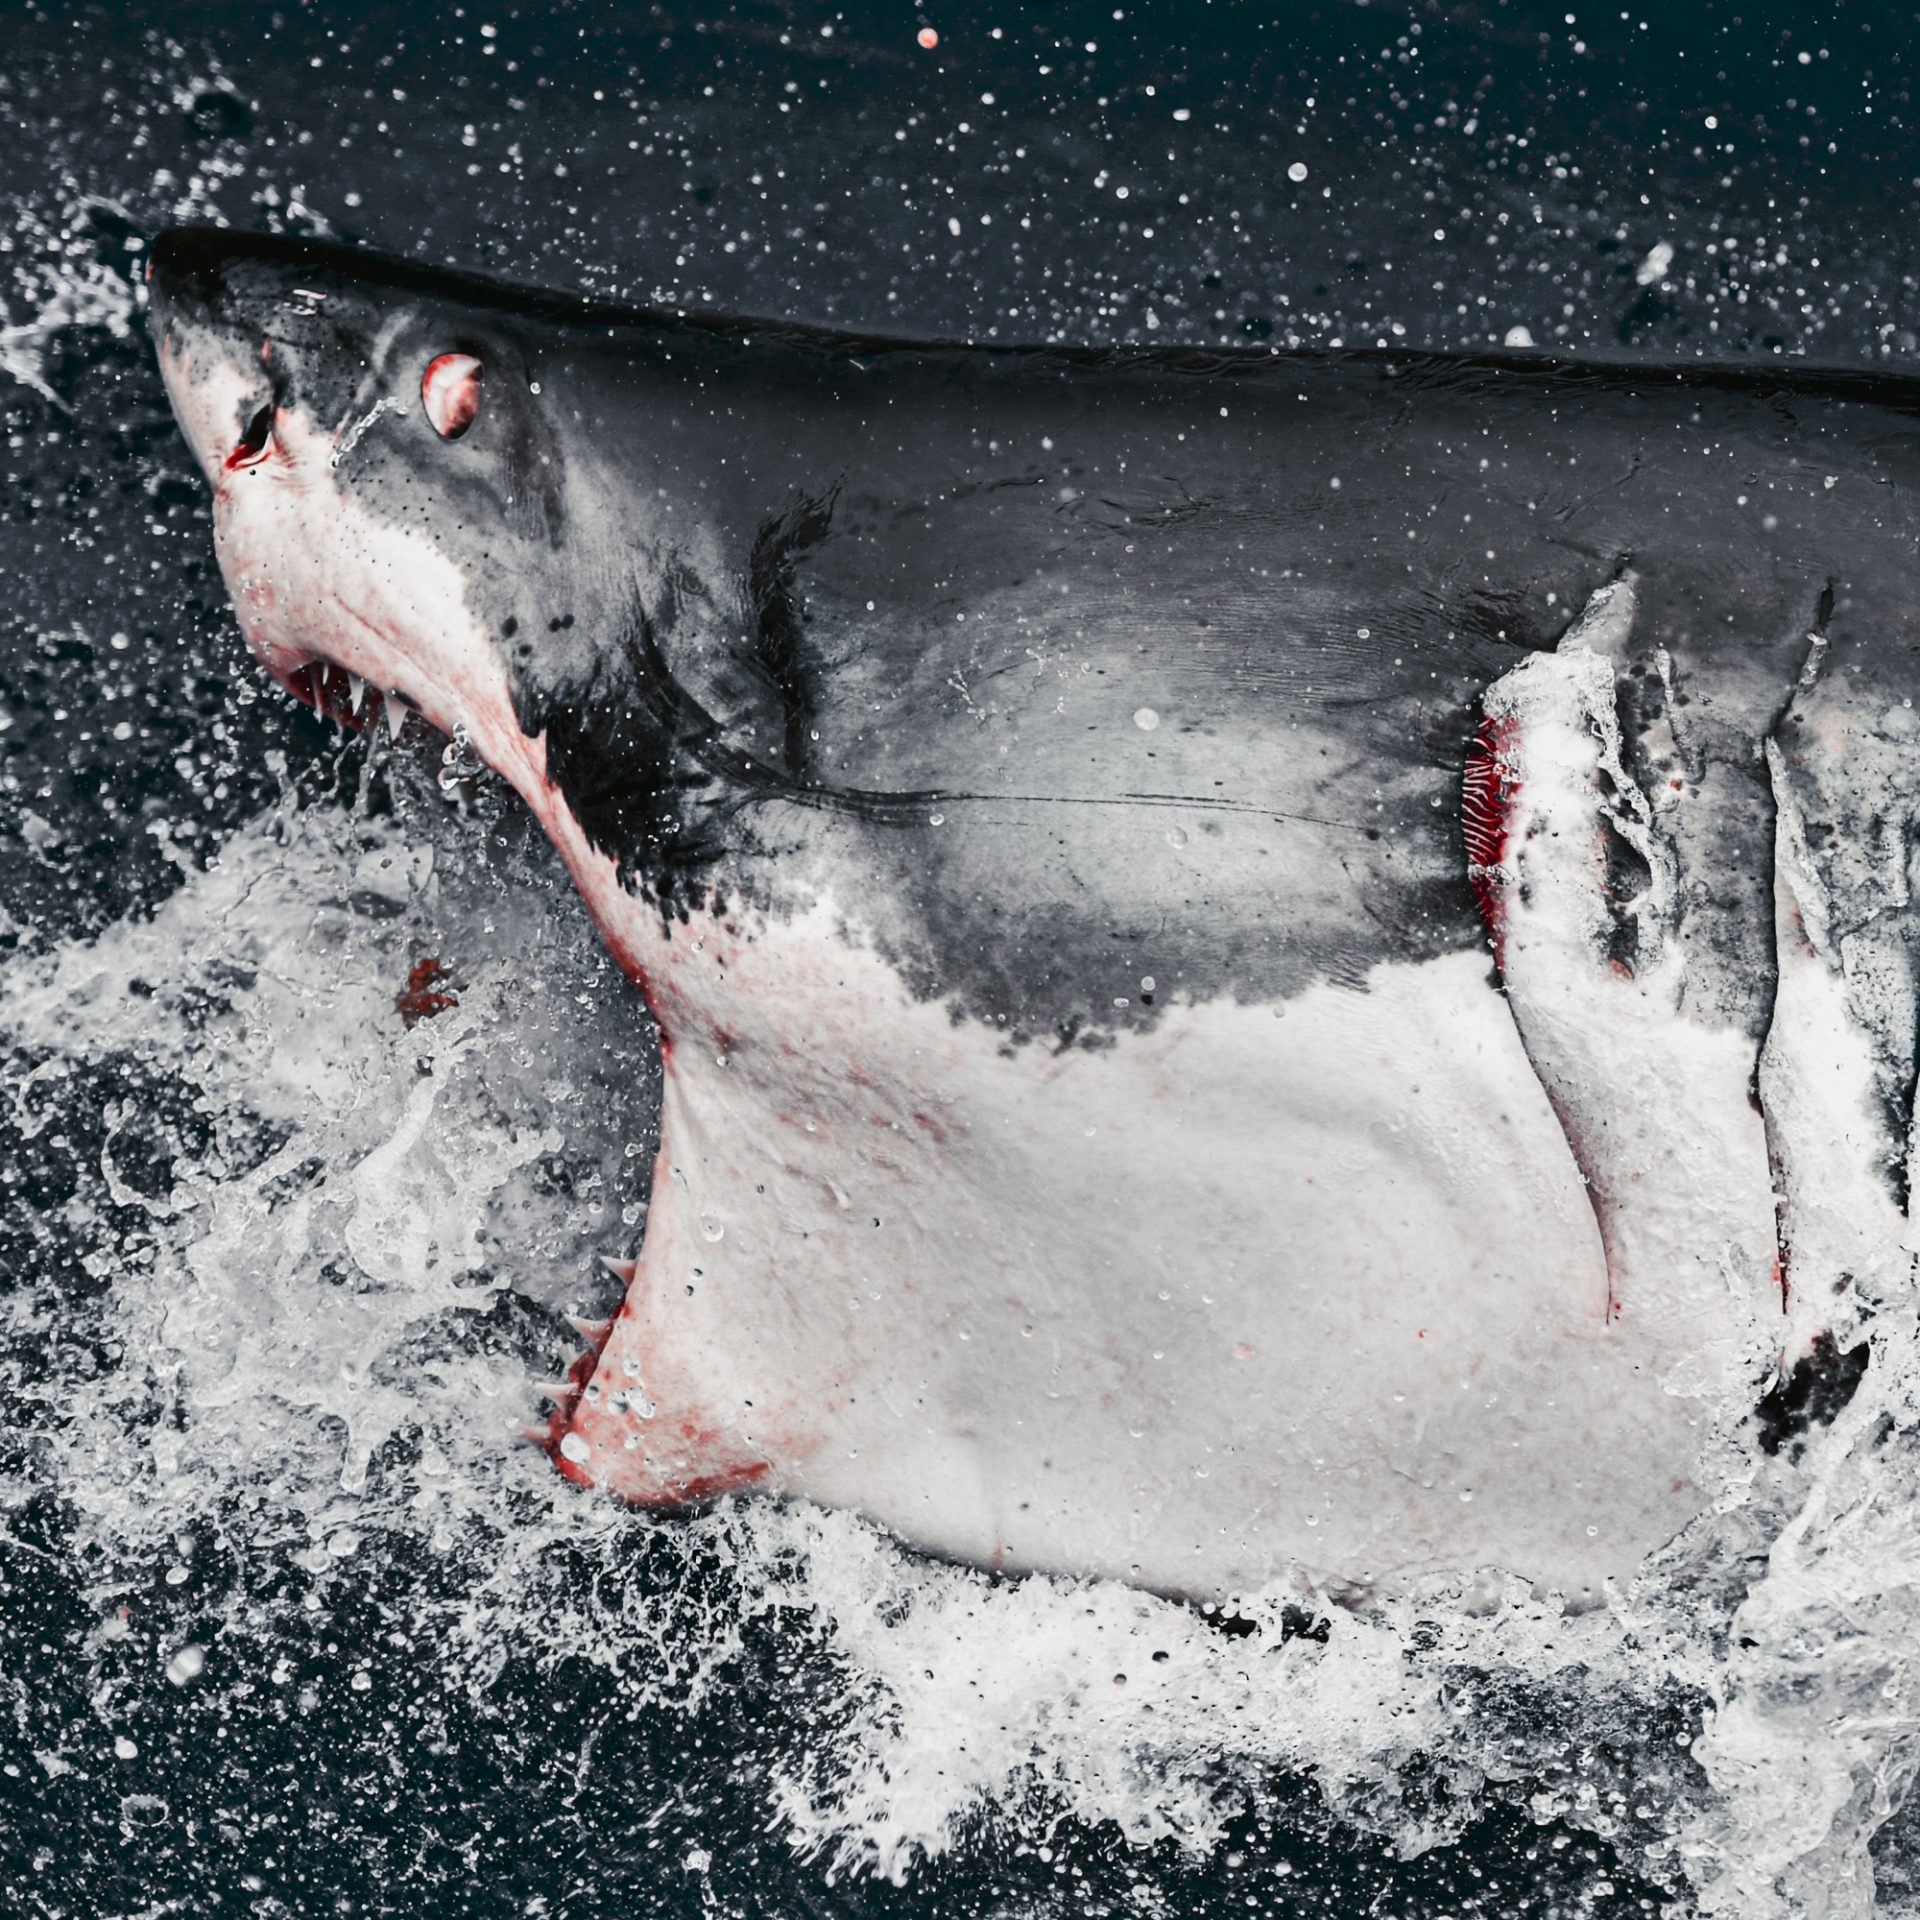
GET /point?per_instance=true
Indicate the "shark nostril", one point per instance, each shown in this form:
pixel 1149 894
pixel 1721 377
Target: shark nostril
pixel 256 442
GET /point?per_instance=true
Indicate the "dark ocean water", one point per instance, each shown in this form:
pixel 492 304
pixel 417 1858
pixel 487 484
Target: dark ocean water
pixel 290 1624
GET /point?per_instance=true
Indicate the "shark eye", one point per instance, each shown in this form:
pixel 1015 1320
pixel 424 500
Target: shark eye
pixel 450 392
pixel 257 442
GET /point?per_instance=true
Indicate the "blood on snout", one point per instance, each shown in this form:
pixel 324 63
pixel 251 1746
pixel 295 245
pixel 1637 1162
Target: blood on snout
pixel 450 392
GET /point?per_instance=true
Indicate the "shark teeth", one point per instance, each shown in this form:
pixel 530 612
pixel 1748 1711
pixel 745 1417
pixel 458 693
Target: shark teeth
pixel 397 711
pixel 356 691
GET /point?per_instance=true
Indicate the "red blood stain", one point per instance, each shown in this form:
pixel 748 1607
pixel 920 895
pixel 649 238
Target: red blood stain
pixel 673 1487
pixel 421 999
pixel 715 1486
pixel 580 1373
pixel 1487 795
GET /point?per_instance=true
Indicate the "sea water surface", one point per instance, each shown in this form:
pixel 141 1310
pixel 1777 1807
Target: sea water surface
pixel 321 1105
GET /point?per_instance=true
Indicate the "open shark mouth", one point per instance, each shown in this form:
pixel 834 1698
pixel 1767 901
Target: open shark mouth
pixel 345 698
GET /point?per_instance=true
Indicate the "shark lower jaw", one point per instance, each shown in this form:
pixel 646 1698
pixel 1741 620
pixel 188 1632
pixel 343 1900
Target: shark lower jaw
pixel 355 668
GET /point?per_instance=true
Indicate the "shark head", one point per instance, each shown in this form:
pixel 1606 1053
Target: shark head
pixel 439 494
pixel 390 492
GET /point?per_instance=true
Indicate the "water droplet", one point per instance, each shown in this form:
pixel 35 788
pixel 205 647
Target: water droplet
pixel 1176 836
pixel 712 1229
pixel 144 1810
pixel 1297 172
pixel 1145 719
pixel 575 1449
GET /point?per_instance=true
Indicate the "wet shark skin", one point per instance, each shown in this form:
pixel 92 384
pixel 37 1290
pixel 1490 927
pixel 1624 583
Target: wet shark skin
pixel 903 710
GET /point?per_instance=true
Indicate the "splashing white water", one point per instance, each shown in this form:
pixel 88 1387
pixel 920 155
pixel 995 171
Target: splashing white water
pixel 58 283
pixel 327 1335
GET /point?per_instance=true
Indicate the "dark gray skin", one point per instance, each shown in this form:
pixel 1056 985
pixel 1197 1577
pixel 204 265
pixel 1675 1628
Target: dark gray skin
pixel 790 603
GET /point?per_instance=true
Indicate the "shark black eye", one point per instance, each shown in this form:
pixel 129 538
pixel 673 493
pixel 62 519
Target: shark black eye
pixel 450 392
pixel 256 442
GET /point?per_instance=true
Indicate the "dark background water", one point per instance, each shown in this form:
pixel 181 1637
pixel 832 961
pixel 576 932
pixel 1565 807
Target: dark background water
pixel 1724 178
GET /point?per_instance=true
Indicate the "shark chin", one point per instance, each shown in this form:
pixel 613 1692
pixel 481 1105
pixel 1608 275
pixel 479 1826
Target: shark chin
pixel 1269 965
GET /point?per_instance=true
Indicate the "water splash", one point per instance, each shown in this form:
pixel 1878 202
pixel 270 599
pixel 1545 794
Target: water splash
pixel 326 1260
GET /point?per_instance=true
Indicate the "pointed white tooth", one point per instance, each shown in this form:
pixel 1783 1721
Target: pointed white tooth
pixel 356 691
pixel 397 711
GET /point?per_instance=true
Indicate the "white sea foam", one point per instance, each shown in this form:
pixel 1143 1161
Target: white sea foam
pixel 299 1310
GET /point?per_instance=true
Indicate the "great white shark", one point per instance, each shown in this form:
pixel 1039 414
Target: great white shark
pixel 1266 961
